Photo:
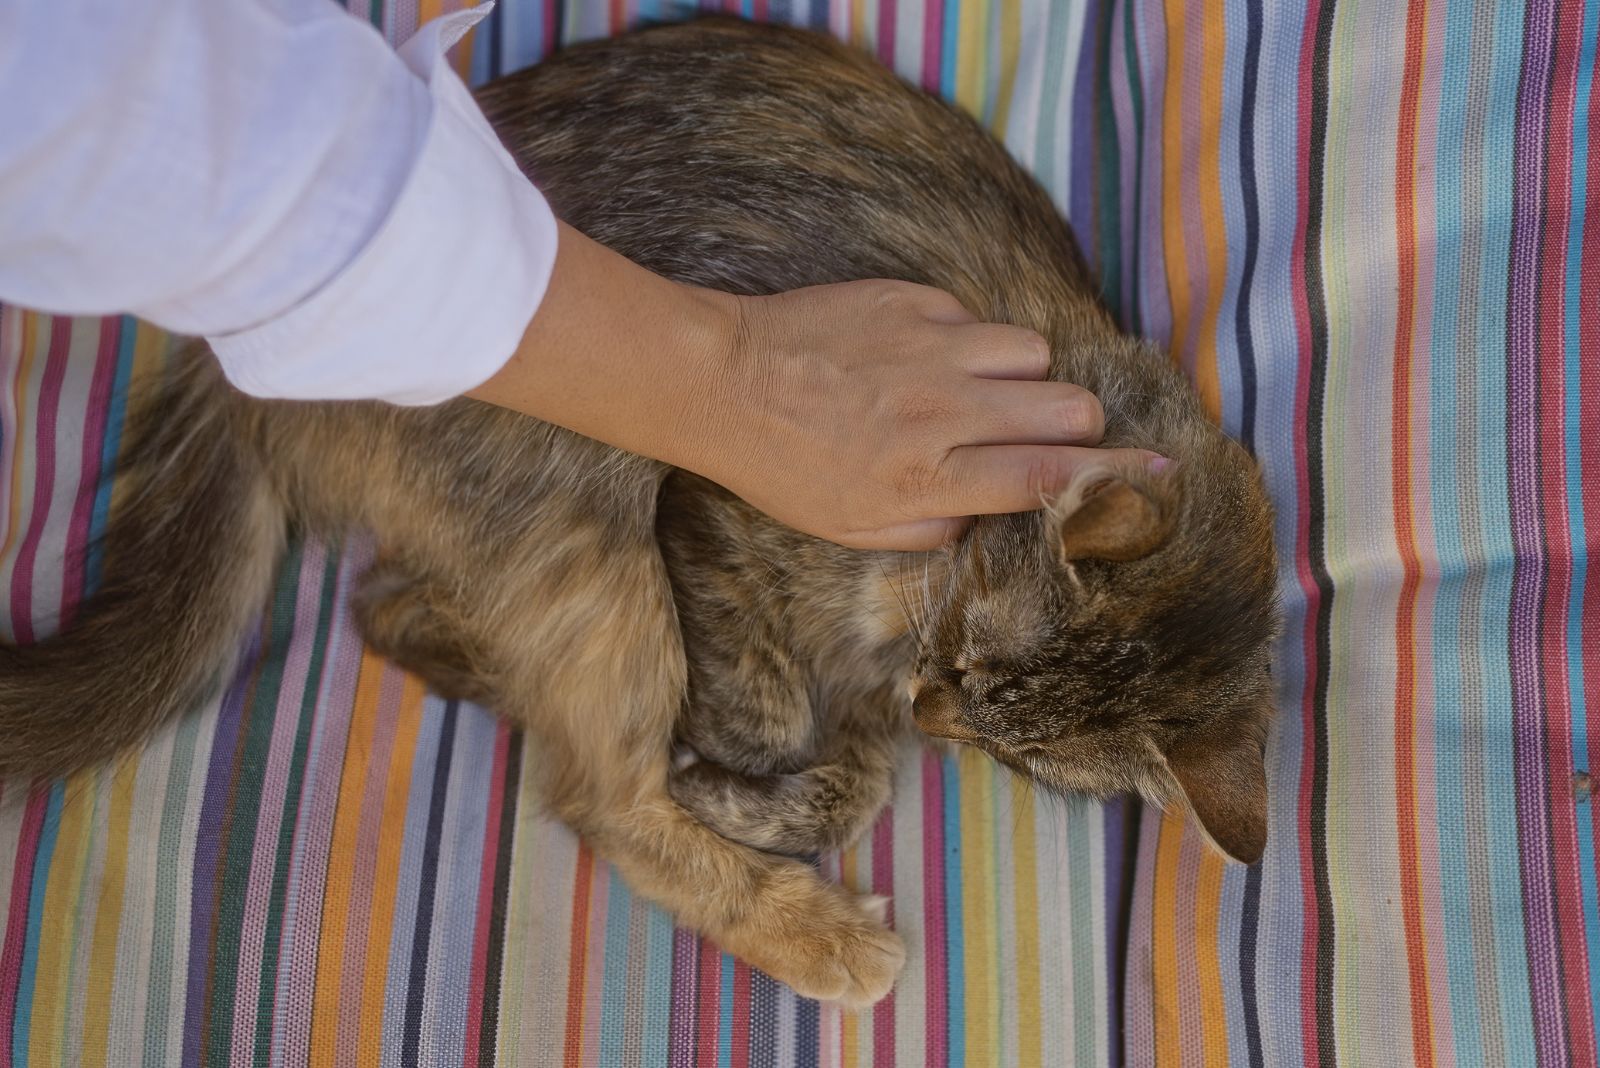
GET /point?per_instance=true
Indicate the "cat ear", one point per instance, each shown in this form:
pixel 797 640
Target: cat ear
pixel 1226 788
pixel 1111 520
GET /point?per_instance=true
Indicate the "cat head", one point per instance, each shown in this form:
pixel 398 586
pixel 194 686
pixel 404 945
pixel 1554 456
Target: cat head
pixel 1119 640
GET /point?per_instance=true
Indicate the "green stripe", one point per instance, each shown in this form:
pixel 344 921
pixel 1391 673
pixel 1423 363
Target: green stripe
pixel 169 847
pixel 1080 905
pixel 243 812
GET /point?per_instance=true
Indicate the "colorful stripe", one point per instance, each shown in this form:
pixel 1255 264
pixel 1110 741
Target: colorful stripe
pixel 1363 231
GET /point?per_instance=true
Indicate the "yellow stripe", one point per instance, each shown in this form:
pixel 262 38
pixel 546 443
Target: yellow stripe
pixel 1025 909
pixel 858 24
pixel 59 922
pixel 1164 941
pixel 108 915
pixel 30 330
pixel 386 879
pixel 849 1022
pixel 978 904
pixel 1207 923
pixel 341 861
pixel 1010 49
pixel 1213 37
pixel 970 55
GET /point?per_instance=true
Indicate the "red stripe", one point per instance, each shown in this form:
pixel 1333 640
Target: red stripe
pixel 1310 1046
pixel 741 1015
pixel 1405 785
pixel 486 871
pixel 94 434
pixel 886 21
pixel 577 959
pixel 933 909
pixel 883 883
pixel 710 1004
pixel 1589 434
pixel 44 476
pixel 1558 545
pixel 17 918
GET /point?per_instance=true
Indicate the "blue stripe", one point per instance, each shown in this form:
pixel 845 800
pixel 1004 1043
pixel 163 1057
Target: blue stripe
pixel 949 43
pixel 21 1023
pixel 725 1015
pixel 657 985
pixel 956 970
pixel 1574 459
pixel 1495 217
pixel 614 985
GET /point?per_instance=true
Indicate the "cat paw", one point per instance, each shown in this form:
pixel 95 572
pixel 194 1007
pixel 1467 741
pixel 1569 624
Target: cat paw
pixel 837 951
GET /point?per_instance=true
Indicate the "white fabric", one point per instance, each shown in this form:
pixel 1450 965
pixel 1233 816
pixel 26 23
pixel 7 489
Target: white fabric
pixel 338 219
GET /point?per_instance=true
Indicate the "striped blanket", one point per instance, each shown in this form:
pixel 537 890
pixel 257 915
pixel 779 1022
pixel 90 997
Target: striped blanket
pixel 1361 226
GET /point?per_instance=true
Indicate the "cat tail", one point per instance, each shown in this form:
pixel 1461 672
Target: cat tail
pixel 188 560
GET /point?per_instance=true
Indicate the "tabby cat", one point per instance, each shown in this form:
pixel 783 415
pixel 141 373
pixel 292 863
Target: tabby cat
pixel 711 692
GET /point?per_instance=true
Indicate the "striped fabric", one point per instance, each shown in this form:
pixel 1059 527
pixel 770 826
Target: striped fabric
pixel 1361 225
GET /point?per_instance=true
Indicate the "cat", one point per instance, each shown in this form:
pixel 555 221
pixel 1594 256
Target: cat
pixel 709 691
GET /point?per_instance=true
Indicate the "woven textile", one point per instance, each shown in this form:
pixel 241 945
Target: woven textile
pixel 1361 226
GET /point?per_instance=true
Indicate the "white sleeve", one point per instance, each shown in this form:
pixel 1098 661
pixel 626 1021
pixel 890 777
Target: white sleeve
pixel 339 220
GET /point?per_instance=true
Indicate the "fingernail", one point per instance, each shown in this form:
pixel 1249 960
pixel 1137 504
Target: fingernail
pixel 1159 464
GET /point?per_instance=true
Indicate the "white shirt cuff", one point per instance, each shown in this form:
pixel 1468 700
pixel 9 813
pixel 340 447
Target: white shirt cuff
pixel 441 295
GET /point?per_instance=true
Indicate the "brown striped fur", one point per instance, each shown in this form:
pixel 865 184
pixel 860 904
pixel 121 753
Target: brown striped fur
pixel 1116 640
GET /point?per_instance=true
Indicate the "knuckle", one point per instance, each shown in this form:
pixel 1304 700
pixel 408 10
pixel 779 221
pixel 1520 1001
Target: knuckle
pixel 1048 472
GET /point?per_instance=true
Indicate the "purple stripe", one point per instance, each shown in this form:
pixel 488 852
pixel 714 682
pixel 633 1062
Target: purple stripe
pixel 1527 588
pixel 205 883
pixel 1082 154
pixel 44 476
pixel 1155 307
pixel 685 999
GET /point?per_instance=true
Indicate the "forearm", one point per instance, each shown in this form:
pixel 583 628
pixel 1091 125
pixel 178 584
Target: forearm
pixel 623 355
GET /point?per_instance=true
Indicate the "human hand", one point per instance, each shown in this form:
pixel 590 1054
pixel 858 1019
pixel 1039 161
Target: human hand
pixel 883 415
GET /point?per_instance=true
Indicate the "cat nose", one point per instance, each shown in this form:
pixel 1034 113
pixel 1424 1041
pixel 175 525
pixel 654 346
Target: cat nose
pixel 938 712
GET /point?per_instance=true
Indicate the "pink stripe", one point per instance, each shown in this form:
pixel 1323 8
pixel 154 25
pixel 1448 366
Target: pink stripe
pixel 938 1025
pixel 486 872
pixel 1567 874
pixel 94 433
pixel 313 834
pixel 1310 1044
pixel 274 792
pixel 932 46
pixel 17 925
pixel 886 21
pixel 44 475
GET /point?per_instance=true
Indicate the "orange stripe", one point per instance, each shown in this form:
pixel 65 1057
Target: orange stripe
pixel 1164 940
pixel 385 882
pixel 1406 541
pixel 342 860
pixel 849 1022
pixel 577 956
pixel 1213 38
pixel 1207 928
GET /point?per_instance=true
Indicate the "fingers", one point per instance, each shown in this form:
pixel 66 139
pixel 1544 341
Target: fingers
pixel 992 479
pixel 1032 413
pixel 995 350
